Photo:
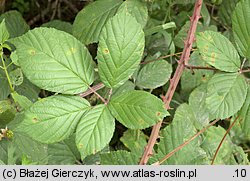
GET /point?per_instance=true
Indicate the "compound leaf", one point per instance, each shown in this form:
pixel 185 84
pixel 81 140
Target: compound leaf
pixel 55 60
pixel 94 130
pixel 53 119
pixel 120 49
pixel 137 109
pixel 226 93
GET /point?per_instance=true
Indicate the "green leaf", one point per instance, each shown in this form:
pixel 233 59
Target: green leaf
pixel 240 156
pixel 15 23
pixel 4 88
pixel 63 153
pixel 211 142
pixel 191 79
pixel 119 158
pixel 7 113
pixel 16 77
pixel 244 116
pixel 154 74
pixel 59 25
pixel 4 151
pixel 90 20
pixel 12 154
pixel 225 11
pixel 137 109
pixel 60 63
pixel 159 28
pixel 135 141
pixel 241 27
pixel 226 93
pixel 205 15
pixel 8 152
pixel 120 49
pixel 95 159
pixel 31 149
pixel 137 9
pixel 218 51
pixel 159 44
pixel 94 130
pixel 14 58
pixel 53 119
pixel 181 36
pixel 127 86
pixel 179 131
pixel 23 101
pixel 197 102
pixel 28 90
pixel 4 34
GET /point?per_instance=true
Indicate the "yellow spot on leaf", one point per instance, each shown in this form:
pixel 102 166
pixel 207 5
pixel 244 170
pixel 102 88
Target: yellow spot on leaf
pixel 34 120
pixel 32 52
pixel 210 38
pixel 158 114
pixel 71 51
pixel 141 121
pixel 213 56
pixel 105 51
pixel 80 146
pixel 205 49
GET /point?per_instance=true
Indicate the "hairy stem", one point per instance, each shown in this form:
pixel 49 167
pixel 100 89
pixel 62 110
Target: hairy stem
pixel 175 80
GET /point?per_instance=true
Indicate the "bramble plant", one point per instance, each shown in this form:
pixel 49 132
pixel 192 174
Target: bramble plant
pixel 187 79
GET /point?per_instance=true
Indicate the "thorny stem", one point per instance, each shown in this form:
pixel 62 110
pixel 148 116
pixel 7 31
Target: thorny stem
pixel 224 137
pixel 175 80
pixel 6 72
pixel 185 143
